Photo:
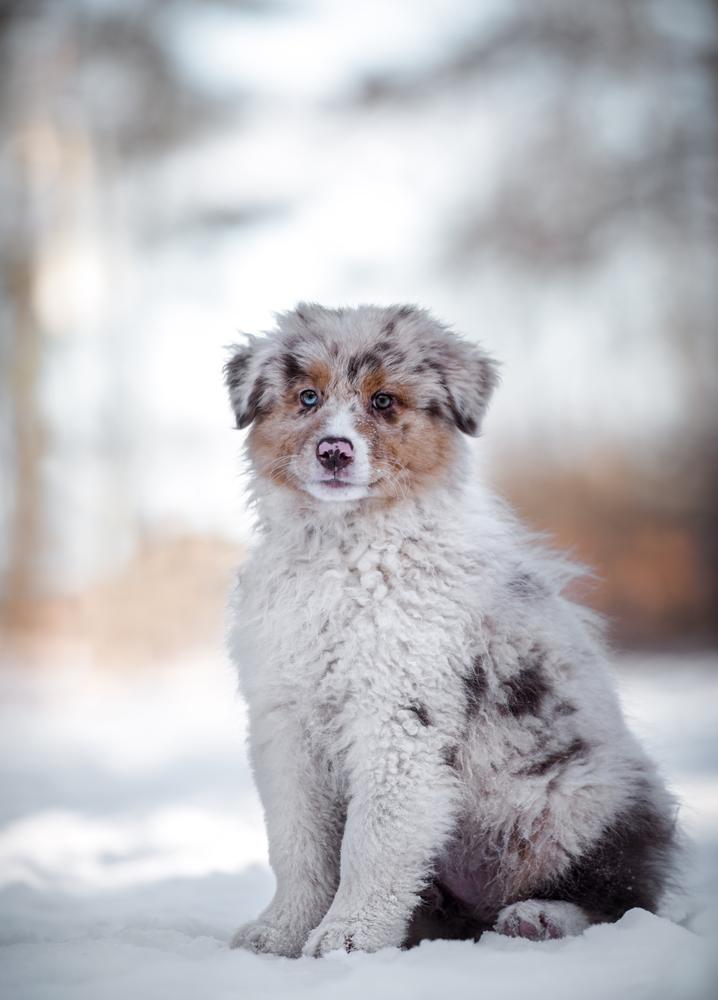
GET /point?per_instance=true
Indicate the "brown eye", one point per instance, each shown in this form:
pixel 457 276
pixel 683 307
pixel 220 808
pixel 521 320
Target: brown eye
pixel 382 401
pixel 309 398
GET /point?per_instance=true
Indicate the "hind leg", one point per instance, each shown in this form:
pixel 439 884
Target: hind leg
pixel 539 919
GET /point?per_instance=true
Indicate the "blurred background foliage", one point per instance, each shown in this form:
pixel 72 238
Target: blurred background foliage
pixel 540 173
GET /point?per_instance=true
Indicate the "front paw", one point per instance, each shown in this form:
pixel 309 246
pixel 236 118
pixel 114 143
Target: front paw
pixel 269 938
pixel 348 935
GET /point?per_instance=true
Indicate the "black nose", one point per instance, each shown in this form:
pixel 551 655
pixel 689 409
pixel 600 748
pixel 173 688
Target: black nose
pixel 335 453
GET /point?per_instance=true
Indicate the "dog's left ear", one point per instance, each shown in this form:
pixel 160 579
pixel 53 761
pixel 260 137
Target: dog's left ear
pixel 248 388
pixel 470 377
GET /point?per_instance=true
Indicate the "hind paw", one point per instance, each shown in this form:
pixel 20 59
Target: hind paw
pixel 541 919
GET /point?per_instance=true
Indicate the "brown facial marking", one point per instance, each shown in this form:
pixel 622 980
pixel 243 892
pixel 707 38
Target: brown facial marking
pixel 319 375
pixel 408 448
pixel 376 381
pixel 276 439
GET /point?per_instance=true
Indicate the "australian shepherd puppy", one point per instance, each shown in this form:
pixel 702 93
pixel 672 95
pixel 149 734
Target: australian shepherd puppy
pixel 434 730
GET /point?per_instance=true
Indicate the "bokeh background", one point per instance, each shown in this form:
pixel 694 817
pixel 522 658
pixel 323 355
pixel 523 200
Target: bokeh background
pixel 542 174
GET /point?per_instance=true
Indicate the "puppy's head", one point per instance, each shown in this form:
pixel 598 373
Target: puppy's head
pixel 348 404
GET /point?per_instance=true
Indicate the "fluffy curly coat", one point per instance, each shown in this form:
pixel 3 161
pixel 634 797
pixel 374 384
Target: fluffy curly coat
pixel 434 732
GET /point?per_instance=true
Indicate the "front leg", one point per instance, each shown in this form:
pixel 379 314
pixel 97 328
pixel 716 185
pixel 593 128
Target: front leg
pixel 401 810
pixel 304 832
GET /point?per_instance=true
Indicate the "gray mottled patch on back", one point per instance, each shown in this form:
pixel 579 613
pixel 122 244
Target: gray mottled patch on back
pixel 421 712
pixel 450 754
pixel 557 758
pixel 475 685
pixel 526 690
pixel 564 708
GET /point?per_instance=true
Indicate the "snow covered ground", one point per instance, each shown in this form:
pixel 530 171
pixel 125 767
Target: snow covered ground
pixel 131 845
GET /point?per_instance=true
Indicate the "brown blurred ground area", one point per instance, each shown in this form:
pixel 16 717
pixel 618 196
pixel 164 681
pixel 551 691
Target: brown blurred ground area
pixel 652 545
pixel 168 602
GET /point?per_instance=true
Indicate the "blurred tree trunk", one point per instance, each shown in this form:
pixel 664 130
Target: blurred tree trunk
pixel 21 339
pixel 21 582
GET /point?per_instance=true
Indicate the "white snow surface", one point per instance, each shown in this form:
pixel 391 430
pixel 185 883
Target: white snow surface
pixel 132 845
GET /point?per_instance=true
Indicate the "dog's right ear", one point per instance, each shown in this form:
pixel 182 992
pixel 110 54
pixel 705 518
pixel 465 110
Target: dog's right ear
pixel 246 384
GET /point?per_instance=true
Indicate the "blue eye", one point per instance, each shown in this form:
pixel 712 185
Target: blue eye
pixel 309 398
pixel 382 401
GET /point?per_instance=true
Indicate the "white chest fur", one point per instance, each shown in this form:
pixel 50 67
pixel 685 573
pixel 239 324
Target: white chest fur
pixel 338 628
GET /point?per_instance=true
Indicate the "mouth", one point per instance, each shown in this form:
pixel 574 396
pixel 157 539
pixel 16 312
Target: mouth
pixel 338 489
pixel 338 484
